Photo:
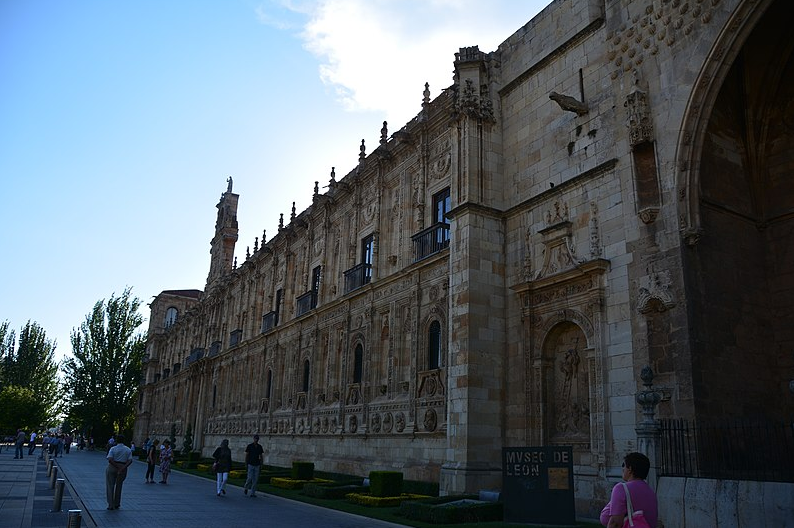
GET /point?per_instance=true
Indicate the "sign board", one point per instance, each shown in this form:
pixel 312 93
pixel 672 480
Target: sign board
pixel 537 484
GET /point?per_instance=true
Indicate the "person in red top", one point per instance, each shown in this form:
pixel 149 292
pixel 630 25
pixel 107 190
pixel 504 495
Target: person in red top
pixel 643 498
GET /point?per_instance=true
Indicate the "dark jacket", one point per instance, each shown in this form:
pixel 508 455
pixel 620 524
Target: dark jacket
pixel 223 456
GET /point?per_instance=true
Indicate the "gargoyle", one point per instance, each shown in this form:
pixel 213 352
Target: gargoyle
pixel 569 104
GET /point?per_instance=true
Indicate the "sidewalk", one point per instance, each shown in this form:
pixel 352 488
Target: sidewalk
pixel 187 501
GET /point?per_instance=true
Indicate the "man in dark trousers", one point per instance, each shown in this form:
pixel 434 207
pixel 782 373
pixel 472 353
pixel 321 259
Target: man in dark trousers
pixel 253 460
pixel 119 459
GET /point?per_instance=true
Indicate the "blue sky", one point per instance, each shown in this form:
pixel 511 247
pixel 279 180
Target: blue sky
pixel 121 121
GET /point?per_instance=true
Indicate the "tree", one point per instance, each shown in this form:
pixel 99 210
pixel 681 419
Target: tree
pixel 20 408
pixel 103 373
pixel 30 363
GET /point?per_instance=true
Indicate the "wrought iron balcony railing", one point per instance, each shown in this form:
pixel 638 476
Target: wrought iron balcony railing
pixel 357 276
pixel 430 241
pixel 306 303
pixel 268 322
pixel 235 337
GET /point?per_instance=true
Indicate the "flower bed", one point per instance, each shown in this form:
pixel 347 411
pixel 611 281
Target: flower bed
pixel 366 499
pixel 290 483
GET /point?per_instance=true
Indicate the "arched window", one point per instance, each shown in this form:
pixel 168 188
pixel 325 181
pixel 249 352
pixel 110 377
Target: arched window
pixel 214 395
pixel 170 316
pixel 269 384
pixel 306 376
pixel 358 363
pixel 434 346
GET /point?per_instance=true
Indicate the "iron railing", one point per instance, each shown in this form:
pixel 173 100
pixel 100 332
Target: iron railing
pixel 306 303
pixel 268 322
pixel 735 450
pixel 357 276
pixel 430 240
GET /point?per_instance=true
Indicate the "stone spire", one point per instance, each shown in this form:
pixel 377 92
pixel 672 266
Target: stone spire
pixel 226 232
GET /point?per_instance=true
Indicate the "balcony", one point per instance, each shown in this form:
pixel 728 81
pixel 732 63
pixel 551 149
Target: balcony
pixel 235 337
pixel 177 368
pixel 430 241
pixel 306 303
pixel 357 276
pixel 268 322
pixel 166 373
pixel 195 355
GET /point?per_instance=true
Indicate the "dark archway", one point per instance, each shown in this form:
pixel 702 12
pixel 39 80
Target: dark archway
pixel 740 273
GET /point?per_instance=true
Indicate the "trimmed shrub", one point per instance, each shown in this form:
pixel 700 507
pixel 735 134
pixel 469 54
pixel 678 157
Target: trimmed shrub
pixel 238 474
pixel 302 470
pixel 381 502
pixel 386 483
pixel 420 487
pixel 193 456
pixel 452 509
pixel 334 490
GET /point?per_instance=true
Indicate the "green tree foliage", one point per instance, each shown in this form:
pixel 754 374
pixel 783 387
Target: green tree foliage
pixel 20 408
pixel 102 376
pixel 30 362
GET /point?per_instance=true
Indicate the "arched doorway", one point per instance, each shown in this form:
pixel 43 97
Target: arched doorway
pixel 740 271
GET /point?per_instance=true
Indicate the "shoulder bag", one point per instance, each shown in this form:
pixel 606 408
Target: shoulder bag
pixel 634 519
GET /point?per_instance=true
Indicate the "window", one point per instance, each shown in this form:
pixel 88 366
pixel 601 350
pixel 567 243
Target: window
pixel 358 363
pixel 367 248
pixel 441 206
pixel 316 279
pixel 306 376
pixel 214 394
pixel 434 346
pixel 279 295
pixel 269 384
pixel 170 316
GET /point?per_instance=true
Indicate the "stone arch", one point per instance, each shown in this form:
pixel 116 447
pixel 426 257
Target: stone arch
pixel 701 102
pixel 736 211
pixel 567 384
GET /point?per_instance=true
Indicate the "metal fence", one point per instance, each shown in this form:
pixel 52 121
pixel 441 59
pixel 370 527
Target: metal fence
pixel 733 450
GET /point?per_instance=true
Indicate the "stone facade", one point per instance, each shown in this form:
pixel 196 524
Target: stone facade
pixel 609 189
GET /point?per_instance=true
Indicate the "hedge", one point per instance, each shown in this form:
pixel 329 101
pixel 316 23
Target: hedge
pixel 386 483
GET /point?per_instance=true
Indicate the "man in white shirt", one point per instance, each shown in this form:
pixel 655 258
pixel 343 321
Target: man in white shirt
pixel 32 444
pixel 119 459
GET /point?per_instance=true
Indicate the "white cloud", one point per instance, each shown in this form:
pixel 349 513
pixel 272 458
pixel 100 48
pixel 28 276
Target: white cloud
pixel 378 54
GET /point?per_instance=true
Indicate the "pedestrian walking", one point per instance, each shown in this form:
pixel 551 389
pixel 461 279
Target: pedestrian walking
pixel 166 455
pixel 119 459
pixel 19 443
pixel 222 466
pixel 253 461
pixel 32 444
pixel 152 455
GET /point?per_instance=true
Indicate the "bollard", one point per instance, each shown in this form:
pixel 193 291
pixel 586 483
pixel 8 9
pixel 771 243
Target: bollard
pixel 75 519
pixel 58 498
pixel 49 467
pixel 54 476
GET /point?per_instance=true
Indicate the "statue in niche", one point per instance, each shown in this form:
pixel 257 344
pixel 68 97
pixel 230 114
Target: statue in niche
pixel 571 387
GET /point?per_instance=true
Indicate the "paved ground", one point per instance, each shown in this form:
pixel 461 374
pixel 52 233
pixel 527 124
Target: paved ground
pixel 186 501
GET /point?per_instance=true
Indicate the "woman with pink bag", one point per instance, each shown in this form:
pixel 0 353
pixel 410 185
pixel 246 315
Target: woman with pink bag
pixel 633 502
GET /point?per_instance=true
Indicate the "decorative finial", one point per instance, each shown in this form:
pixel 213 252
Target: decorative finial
pixel 264 237
pixel 316 188
pixel 281 221
pixel 384 133
pixel 333 174
pixel 235 263
pixel 256 244
pixel 363 153
pixel 292 216
pixel 229 188
pixel 426 95
pixel 247 252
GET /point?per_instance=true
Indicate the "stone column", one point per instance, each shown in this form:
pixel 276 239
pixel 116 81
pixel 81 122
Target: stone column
pixel 648 430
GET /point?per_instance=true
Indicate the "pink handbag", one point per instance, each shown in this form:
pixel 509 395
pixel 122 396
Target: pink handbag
pixel 634 519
